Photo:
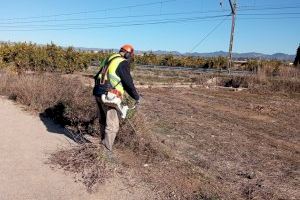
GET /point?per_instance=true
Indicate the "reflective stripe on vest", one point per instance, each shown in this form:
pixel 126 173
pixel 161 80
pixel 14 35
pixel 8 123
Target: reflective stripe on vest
pixel 113 78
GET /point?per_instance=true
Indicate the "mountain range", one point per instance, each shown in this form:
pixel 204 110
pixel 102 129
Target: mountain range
pixel 275 56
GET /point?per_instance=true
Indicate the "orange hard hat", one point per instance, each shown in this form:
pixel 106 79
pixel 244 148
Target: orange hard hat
pixel 128 48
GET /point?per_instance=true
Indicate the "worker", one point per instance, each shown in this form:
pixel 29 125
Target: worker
pixel 114 77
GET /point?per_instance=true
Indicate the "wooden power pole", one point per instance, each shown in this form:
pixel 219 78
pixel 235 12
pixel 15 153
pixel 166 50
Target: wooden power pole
pixel 233 14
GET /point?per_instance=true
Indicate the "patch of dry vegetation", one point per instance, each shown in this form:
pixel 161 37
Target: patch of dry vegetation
pixel 267 79
pixel 88 162
pixel 135 134
pixel 153 134
pixel 154 76
pixel 66 101
pixel 283 79
pixel 69 103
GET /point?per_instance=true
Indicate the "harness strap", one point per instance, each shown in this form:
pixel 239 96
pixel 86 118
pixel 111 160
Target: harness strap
pixel 104 70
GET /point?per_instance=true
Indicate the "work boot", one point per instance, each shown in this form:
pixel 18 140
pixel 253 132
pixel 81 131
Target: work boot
pixel 108 154
pixel 105 145
pixel 111 157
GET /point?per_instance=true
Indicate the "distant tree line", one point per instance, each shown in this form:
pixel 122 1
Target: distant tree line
pixel 53 58
pixel 203 62
pixel 182 61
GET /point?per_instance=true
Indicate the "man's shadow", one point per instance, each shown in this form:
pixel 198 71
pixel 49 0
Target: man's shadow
pixel 55 122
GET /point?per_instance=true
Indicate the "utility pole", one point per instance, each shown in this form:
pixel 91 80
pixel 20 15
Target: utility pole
pixel 233 14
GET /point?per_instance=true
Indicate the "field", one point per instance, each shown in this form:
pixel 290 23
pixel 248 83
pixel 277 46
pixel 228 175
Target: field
pixel 204 142
pixel 242 145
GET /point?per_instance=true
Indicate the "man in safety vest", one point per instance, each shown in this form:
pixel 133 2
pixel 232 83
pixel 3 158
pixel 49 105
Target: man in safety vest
pixel 115 77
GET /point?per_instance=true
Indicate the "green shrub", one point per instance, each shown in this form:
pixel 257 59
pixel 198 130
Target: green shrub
pixel 50 58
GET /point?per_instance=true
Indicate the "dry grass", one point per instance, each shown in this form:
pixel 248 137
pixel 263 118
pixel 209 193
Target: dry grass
pixel 150 76
pixel 69 103
pixel 274 84
pixel 282 79
pixel 217 141
pixel 289 72
pixel 267 79
pixel 66 101
pixel 136 134
pixel 88 162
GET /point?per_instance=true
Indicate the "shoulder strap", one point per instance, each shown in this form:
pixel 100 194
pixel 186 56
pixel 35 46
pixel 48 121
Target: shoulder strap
pixel 98 73
pixel 104 69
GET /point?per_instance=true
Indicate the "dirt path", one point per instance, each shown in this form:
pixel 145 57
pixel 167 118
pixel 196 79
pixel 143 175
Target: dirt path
pixel 25 145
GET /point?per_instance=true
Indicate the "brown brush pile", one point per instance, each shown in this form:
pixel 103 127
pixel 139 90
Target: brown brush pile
pixel 88 162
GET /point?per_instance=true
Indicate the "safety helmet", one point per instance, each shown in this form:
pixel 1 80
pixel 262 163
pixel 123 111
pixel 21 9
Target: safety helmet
pixel 128 50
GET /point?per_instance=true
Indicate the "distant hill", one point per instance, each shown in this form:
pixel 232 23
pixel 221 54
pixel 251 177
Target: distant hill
pixel 277 56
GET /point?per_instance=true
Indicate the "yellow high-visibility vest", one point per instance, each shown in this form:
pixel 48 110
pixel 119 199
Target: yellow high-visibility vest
pixel 114 61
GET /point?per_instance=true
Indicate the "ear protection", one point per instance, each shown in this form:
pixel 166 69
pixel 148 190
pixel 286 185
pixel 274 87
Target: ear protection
pixel 127 55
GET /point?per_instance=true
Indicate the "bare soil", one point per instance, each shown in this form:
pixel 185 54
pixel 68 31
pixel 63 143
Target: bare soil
pixel 224 144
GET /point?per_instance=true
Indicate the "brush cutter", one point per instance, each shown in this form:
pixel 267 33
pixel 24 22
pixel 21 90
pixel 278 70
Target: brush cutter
pixel 113 100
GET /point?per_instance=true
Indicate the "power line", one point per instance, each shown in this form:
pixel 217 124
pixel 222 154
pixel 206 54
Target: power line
pixel 132 6
pixel 135 16
pixel 269 14
pixel 139 22
pixel 93 11
pixel 134 23
pixel 122 22
pixel 269 18
pixel 270 8
pixel 208 34
pixel 268 5
pixel 112 17
pixel 131 16
pixel 182 20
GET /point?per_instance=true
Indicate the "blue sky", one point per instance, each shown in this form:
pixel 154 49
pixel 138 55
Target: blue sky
pixel 266 26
